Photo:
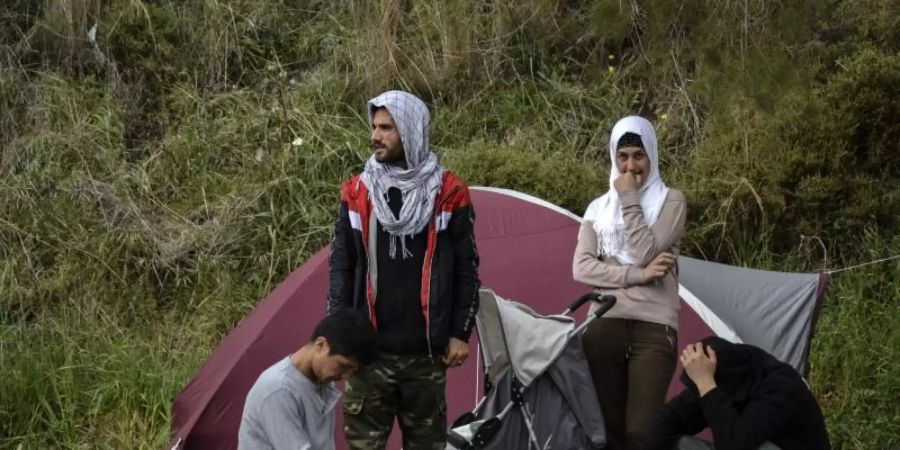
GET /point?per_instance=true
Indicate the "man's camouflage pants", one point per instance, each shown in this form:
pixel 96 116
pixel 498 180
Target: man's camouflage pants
pixel 410 388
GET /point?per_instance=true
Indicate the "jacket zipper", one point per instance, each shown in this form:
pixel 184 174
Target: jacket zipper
pixel 365 238
pixel 437 209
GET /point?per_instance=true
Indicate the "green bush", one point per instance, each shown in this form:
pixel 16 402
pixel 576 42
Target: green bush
pixel 156 184
pixel 556 177
pixel 825 164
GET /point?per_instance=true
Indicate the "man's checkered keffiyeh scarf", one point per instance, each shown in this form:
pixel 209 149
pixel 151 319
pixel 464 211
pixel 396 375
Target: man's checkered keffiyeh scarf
pixel 419 184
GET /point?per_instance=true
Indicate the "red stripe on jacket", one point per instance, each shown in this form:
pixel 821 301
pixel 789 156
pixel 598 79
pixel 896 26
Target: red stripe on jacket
pixel 454 194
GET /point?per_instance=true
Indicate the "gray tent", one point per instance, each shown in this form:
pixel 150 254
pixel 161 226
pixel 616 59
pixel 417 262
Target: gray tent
pixel 775 311
pixel 539 393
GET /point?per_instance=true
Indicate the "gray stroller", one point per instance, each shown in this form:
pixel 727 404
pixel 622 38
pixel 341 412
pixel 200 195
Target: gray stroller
pixel 538 392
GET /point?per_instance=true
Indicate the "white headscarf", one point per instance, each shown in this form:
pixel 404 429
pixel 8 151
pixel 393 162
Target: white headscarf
pixel 419 184
pixel 606 211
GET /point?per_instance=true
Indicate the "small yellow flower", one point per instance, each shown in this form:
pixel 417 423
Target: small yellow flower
pixel 664 117
pixel 610 69
pixel 611 57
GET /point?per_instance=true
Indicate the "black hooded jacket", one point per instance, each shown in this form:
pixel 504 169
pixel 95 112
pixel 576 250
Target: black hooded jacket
pixel 416 304
pixel 757 399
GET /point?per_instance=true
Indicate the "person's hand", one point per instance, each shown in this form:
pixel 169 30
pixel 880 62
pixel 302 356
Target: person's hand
pixel 659 267
pixel 626 182
pixel 456 353
pixel 699 366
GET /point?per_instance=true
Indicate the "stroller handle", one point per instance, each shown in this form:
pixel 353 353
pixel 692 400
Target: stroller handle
pixel 606 303
pixel 602 299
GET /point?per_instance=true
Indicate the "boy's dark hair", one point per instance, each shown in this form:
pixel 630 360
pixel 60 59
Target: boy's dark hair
pixel 349 333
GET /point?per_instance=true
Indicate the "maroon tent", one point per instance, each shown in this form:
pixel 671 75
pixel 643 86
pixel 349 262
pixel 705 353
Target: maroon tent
pixel 526 248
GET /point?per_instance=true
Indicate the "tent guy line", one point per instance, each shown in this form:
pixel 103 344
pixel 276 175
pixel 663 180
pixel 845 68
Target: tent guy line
pixel 889 258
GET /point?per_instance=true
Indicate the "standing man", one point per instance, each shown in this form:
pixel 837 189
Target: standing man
pixel 404 253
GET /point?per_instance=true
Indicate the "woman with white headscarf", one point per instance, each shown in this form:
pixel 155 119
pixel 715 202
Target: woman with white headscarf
pixel 627 247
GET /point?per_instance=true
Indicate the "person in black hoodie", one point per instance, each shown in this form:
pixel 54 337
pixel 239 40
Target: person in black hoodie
pixel 748 398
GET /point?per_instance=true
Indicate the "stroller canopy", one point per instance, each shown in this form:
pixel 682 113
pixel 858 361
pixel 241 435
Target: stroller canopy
pixel 513 336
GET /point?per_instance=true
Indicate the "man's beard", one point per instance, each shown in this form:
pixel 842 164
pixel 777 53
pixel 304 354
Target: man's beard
pixel 388 156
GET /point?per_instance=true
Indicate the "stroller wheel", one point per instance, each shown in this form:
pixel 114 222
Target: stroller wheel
pixel 486 432
pixel 464 419
pixel 457 442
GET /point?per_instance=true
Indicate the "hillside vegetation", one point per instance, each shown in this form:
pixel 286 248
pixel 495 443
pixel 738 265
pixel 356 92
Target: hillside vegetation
pixel 164 164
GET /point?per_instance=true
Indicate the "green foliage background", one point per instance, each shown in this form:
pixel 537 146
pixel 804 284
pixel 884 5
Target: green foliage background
pixel 158 180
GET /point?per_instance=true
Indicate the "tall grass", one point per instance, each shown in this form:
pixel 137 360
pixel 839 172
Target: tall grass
pixel 156 182
pixel 855 353
pixel 122 267
pixel 85 380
